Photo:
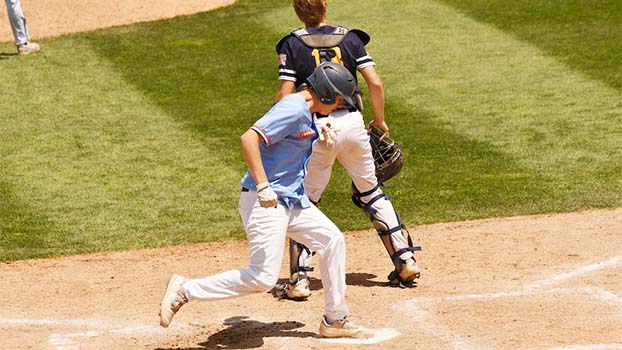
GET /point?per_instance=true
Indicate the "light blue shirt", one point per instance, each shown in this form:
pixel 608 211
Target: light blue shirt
pixel 288 132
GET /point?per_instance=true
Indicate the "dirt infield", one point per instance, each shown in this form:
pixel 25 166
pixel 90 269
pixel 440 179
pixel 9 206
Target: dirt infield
pixel 55 17
pixel 547 282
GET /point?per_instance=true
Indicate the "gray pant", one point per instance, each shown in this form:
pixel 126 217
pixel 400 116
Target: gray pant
pixel 18 21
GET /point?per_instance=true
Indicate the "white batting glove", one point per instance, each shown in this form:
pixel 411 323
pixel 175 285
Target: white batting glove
pixel 328 135
pixel 265 194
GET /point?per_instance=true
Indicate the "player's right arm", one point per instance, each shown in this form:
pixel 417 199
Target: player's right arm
pixel 376 95
pixel 286 88
pixel 250 146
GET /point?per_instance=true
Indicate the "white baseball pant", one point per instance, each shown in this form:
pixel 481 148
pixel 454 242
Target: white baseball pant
pixel 266 229
pixel 18 21
pixel 353 151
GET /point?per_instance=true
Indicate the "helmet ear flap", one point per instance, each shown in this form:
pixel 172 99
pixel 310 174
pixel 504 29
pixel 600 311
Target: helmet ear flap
pixel 388 158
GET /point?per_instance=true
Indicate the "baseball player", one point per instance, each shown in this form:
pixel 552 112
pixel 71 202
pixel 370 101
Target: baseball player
pixel 345 139
pixel 273 204
pixel 19 28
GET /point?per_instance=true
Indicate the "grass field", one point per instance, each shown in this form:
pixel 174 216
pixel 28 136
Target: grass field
pixel 129 137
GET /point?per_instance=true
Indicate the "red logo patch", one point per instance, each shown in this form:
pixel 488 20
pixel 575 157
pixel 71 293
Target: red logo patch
pixel 306 134
pixel 282 59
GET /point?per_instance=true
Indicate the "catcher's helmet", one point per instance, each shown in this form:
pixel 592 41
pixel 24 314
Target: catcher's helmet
pixel 387 154
pixel 330 79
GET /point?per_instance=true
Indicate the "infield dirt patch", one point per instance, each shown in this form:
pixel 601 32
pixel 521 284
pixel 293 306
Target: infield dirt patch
pixel 47 18
pixel 533 282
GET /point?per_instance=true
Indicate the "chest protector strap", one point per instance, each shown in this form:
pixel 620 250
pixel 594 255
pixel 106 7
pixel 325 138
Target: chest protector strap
pixel 324 41
pixel 320 41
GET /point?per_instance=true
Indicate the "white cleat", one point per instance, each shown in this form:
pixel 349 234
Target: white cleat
pixel 299 291
pixel 344 329
pixel 28 48
pixel 174 298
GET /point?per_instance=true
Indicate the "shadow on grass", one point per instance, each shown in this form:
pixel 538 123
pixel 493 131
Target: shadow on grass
pixel 446 177
pixel 22 230
pixel 212 79
pixel 216 81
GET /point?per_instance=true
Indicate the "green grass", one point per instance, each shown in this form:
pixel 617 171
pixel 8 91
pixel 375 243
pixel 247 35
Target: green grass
pixel 129 137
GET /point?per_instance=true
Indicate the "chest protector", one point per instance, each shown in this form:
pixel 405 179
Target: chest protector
pixel 324 42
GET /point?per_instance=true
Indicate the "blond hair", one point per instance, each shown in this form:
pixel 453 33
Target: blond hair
pixel 311 12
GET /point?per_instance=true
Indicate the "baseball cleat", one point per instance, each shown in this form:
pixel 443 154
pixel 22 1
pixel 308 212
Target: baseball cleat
pixel 407 276
pixel 27 48
pixel 174 298
pixel 344 329
pixel 298 290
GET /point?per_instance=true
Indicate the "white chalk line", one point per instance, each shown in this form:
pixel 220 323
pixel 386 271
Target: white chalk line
pixel 531 289
pixel 578 272
pixel 596 292
pixel 380 334
pixel 421 317
pixel 66 341
pixel 537 287
pixel 617 346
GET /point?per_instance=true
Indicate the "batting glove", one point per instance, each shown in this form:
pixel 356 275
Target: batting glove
pixel 265 194
pixel 328 135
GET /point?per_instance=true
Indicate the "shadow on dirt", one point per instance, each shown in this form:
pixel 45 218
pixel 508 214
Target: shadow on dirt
pixel 248 334
pixel 365 280
pixel 360 279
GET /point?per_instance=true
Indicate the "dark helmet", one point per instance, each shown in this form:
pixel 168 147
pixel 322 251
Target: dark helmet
pixel 330 79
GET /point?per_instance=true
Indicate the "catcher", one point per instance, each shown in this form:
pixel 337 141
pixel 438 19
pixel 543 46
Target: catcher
pixel 344 137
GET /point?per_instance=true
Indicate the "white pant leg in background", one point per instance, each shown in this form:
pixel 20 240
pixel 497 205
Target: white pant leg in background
pixel 266 231
pixel 18 21
pixel 351 147
pixel 353 151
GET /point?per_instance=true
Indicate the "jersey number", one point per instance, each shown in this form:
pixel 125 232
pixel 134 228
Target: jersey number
pixel 317 54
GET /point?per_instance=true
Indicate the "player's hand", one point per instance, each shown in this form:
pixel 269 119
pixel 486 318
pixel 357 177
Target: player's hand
pixel 267 197
pixel 382 126
pixel 328 135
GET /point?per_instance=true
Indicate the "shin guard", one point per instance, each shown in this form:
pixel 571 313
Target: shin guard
pixel 390 230
pixel 299 260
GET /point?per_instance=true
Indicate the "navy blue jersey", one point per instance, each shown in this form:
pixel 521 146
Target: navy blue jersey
pixel 297 60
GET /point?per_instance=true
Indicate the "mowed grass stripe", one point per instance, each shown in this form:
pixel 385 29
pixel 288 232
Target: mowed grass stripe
pixel 129 137
pixel 485 84
pixel 105 167
pixel 491 125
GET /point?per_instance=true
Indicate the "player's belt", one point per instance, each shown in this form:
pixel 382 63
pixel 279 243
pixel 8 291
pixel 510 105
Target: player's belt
pixel 320 116
pixel 244 189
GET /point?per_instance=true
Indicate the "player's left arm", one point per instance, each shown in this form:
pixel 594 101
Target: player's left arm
pixel 376 95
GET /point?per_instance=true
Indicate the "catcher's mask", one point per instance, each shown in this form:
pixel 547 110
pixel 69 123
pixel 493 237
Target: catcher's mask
pixel 387 154
pixel 330 79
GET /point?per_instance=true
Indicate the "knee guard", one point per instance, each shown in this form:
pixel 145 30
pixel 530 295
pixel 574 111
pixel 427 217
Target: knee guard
pixel 406 271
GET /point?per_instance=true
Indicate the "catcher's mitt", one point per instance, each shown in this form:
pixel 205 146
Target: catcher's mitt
pixel 387 154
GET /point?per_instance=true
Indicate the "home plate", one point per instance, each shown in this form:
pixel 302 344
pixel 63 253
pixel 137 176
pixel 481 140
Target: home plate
pixel 380 334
